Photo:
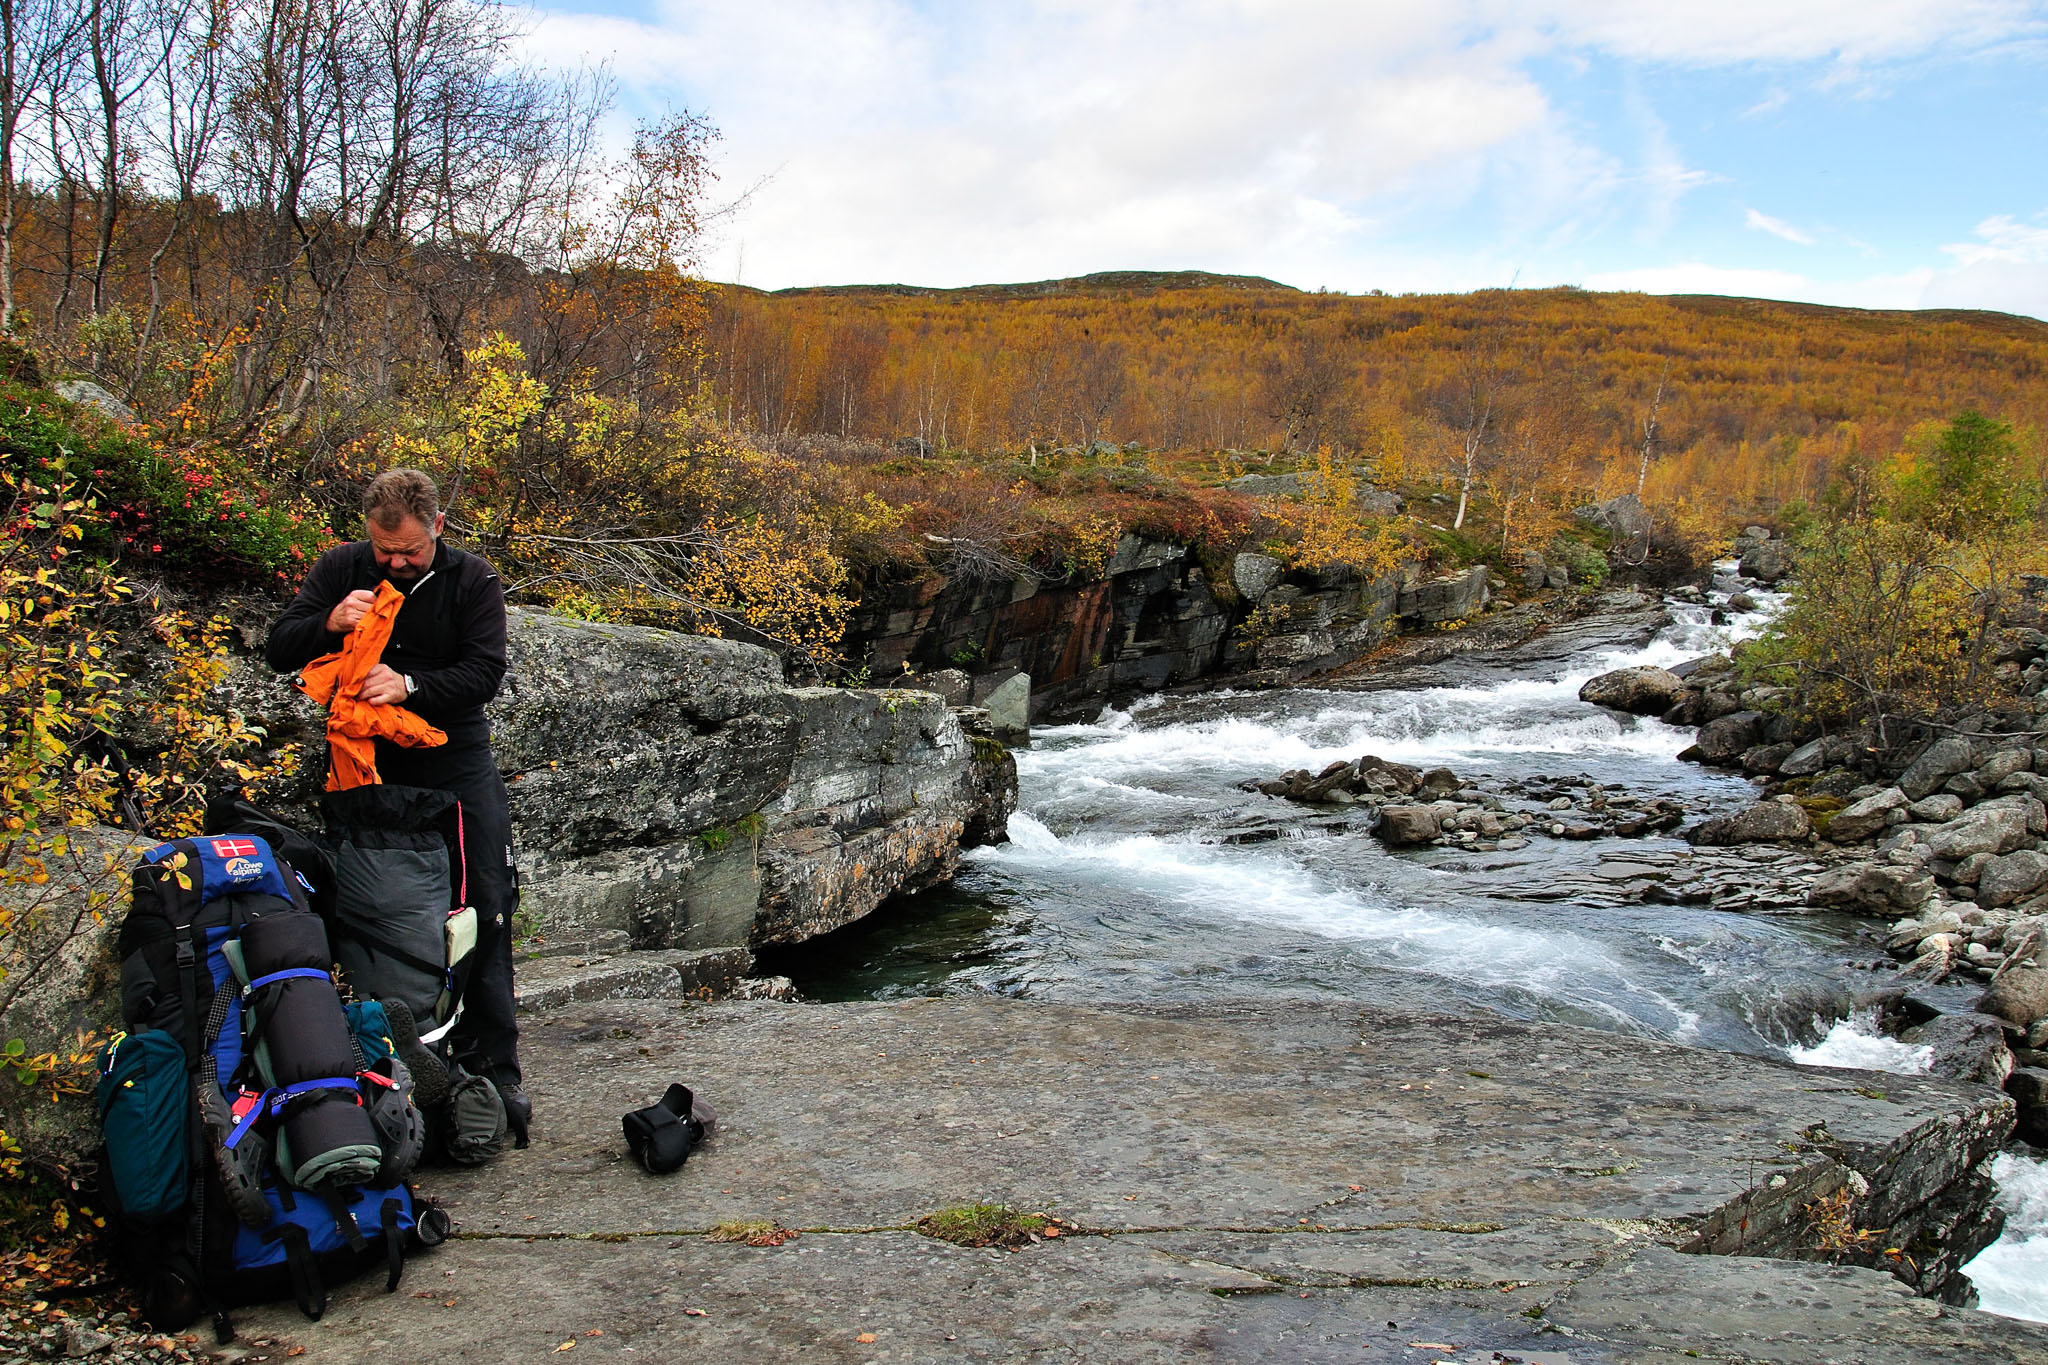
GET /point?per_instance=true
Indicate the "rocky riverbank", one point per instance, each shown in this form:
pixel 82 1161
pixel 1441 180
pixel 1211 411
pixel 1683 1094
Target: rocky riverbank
pixel 1233 1182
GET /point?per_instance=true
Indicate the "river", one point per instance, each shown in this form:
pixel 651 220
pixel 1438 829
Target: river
pixel 1138 869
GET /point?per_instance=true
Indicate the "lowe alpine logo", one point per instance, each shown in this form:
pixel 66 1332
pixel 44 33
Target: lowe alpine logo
pixel 243 869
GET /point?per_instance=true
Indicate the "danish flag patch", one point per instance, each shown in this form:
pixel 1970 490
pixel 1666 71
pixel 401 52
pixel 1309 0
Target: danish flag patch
pixel 233 848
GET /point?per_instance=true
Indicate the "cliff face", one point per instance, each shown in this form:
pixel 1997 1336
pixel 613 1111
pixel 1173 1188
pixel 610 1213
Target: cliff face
pixel 1154 618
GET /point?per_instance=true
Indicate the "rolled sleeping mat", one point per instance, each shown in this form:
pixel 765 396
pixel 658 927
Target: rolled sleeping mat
pixel 306 1054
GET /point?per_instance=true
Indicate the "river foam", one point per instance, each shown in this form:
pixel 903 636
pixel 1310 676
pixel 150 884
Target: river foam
pixel 2011 1274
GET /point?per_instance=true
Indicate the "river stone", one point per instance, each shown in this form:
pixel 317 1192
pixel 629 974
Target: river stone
pixel 1405 826
pixel 1726 739
pixel 1866 817
pixel 1765 758
pixel 2002 765
pixel 1643 691
pixel 1741 601
pixel 1255 575
pixel 1765 822
pixel 2012 877
pixel 2020 997
pixel 1967 1047
pixel 1998 826
pixel 1806 760
pixel 1009 707
pixel 1872 889
pixel 1403 778
pixel 1937 809
pixel 1937 763
pixel 1768 562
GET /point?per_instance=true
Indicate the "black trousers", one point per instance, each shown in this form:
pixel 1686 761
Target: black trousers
pixel 486 1039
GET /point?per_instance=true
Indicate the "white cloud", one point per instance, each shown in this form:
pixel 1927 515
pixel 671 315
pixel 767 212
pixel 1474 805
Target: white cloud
pixel 1776 98
pixel 1847 32
pixel 1312 140
pixel 2002 239
pixel 1777 227
pixel 2005 268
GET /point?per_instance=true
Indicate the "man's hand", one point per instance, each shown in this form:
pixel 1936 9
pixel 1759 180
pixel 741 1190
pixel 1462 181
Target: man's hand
pixel 381 687
pixel 350 610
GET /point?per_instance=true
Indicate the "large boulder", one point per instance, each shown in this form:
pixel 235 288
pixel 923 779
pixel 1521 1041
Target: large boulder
pixel 1997 826
pixel 1266 485
pixel 1450 598
pixel 1768 561
pixel 60 987
pixel 87 394
pixel 1623 518
pixel 1937 763
pixel 645 766
pixel 1967 1047
pixel 1378 502
pixel 1765 822
pixel 1405 826
pixel 2012 877
pixel 1009 707
pixel 1254 575
pixel 1642 691
pixel 1872 889
pixel 1867 818
pixel 2019 998
pixel 1727 738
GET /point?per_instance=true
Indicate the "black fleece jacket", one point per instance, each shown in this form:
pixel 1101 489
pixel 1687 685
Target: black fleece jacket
pixel 449 637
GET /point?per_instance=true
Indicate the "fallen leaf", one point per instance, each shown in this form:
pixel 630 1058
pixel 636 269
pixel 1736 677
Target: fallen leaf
pixel 595 1332
pixel 865 1338
pixel 296 1351
pixel 568 1345
pixel 447 1303
pixel 1052 1232
pixel 694 1313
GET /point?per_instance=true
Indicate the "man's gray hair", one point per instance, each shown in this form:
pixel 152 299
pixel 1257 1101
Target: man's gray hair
pixel 397 494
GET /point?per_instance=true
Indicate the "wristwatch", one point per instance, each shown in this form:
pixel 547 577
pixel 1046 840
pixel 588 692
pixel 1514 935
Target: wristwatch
pixel 410 686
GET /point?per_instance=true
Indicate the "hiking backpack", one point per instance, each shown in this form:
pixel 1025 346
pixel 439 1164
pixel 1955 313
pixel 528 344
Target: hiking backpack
pixel 258 1135
pixel 404 934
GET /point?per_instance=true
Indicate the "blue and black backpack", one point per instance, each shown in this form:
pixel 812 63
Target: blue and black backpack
pixel 259 1134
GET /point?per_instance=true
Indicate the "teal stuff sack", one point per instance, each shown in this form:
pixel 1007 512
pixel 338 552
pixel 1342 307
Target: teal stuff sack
pixel 144 1100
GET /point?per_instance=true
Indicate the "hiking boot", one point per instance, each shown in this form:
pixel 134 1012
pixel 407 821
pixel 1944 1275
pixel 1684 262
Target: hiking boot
pixel 518 1112
pixel 429 1072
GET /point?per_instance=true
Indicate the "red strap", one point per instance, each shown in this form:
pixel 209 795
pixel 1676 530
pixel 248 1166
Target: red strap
pixel 384 1081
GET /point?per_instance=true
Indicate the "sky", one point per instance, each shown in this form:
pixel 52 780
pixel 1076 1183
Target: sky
pixel 1874 153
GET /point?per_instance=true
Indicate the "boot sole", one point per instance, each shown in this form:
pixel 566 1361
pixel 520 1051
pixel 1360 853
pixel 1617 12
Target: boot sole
pixel 429 1072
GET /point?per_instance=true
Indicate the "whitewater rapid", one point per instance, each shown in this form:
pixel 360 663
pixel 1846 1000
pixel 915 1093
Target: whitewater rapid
pixel 1137 869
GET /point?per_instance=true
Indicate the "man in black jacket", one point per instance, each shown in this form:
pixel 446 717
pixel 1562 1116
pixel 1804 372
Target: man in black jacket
pixel 445 660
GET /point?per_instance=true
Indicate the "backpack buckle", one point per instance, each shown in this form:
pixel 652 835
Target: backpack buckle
pixel 188 956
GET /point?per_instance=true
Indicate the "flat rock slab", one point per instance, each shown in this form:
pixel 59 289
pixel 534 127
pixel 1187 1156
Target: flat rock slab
pixel 1253 1183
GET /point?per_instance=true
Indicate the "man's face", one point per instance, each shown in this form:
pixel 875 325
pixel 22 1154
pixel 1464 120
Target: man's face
pixel 404 551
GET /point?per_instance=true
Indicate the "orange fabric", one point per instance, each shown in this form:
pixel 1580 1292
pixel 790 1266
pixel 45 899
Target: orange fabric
pixel 353 725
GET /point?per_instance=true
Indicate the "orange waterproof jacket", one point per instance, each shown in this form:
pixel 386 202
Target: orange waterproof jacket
pixel 354 725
